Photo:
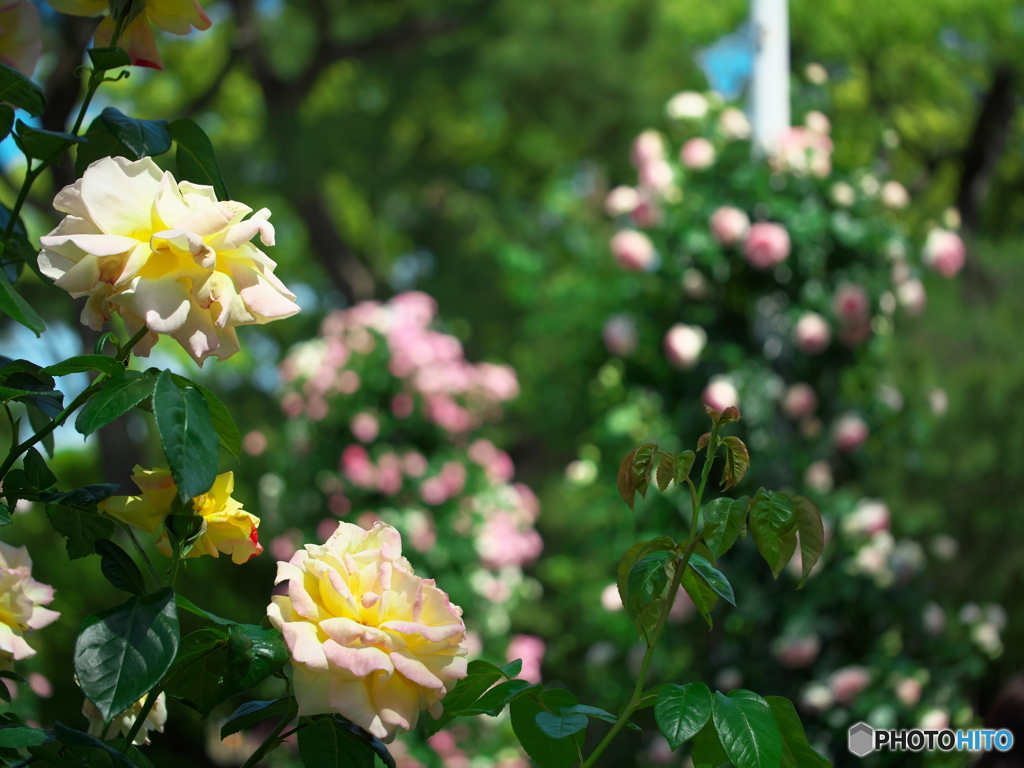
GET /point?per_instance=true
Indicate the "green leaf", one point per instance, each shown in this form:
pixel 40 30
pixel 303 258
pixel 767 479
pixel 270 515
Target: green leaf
pixel 723 520
pixel 15 307
pixel 123 652
pixel 599 714
pixel 187 605
pixel 683 465
pixel 188 437
pixel 796 750
pixel 122 392
pixel 101 142
pixel 512 669
pixel 18 91
pixel 666 472
pixel 86 496
pixel 254 653
pixel 375 744
pixel 713 578
pixel 38 389
pixel 76 738
pixel 635 472
pixel 812 535
pixel 5 515
pixel 497 698
pixel 559 726
pixel 772 515
pixel 707 748
pixel 20 736
pixel 81 529
pixel 480 676
pixel 39 421
pixel 85 364
pixel 681 711
pixel 223 422
pixel 545 751
pixel 142 138
pixel 119 568
pixel 6 120
pixel 747 730
pixel 702 595
pixel 39 475
pixel 737 461
pixel 324 743
pixel 253 712
pixel 108 58
pixel 647 581
pixel 633 554
pixel 195 679
pixel 787 546
pixel 197 161
pixel 41 144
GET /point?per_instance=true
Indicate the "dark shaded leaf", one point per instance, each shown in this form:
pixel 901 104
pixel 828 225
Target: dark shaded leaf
pixel 254 653
pixel 253 712
pixel 723 521
pixel 119 568
pixel 545 751
pixel 109 58
pixel 120 394
pixel 38 474
pixel 195 678
pixel 41 144
pixel 85 364
pixel 223 422
pixel 796 751
pixel 772 515
pixel 18 91
pixel 197 161
pixel 635 472
pixel 702 595
pixel 187 435
pixel 812 535
pixel 142 138
pixel 737 461
pixel 80 528
pixel 559 726
pixel 497 698
pixel 326 744
pixel 20 736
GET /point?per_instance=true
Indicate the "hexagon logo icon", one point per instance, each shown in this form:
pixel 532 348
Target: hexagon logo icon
pixel 861 739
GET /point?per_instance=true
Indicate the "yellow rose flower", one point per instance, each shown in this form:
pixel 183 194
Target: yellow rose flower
pixel 368 638
pixel 175 16
pixel 21 604
pixel 164 254
pixel 226 526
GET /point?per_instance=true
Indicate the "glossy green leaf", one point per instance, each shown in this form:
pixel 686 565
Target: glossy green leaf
pixel 598 714
pixel 635 472
pixel 41 144
pixel 143 138
pixel 109 58
pixel 747 729
pixel 223 422
pixel 20 736
pixel 559 726
pixel 85 364
pixel 707 748
pixel 195 679
pixel 188 437
pixel 121 653
pixel 80 528
pixel 796 750
pixel 646 589
pixel 496 699
pixel 37 389
pixel 326 744
pixel 723 520
pixel 683 465
pixel 187 605
pixel 713 578
pixel 787 546
pixel 737 461
pixel 102 142
pixel 85 496
pixel 666 472
pixel 38 474
pixel 480 676
pixel 812 535
pixel 253 712
pixel 772 515
pixel 703 596
pixel 544 750
pixel 633 554
pixel 681 711
pixel 75 738
pixel 15 307
pixel 38 420
pixel 119 568
pixel 6 120
pixel 254 653
pixel 19 91
pixel 122 392
pixel 196 159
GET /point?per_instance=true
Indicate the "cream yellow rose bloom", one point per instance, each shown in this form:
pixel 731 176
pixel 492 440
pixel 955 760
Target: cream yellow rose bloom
pixel 120 725
pixel 164 254
pixel 226 526
pixel 175 16
pixel 22 601
pixel 368 638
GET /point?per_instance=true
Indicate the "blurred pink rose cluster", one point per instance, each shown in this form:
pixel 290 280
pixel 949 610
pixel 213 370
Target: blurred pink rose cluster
pixel 451 392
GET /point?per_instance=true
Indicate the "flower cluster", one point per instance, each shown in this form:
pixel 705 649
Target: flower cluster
pixel 23 602
pixel 166 255
pixel 368 638
pixel 226 527
pixel 122 724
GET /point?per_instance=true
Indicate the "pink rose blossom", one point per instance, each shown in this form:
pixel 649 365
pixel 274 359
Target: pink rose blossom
pixel 531 650
pixel 621 200
pixel 908 691
pixel 647 148
pixel 797 652
pixel 357 467
pixel 767 245
pixel 657 176
pixel 851 304
pixel 697 154
pixel 647 213
pixel 818 477
pixel 729 225
pixel 434 491
pixel 895 195
pixel 633 250
pixel 389 473
pixel 504 541
pixel 734 124
pixel 720 393
pixel 683 345
pixel 800 401
pixel 912 296
pixel 365 427
pixel 812 334
pixel 254 443
pixel 402 405
pixel 620 335
pixel 944 252
pixel 414 463
pixel 868 518
pixel 847 682
pixel 849 433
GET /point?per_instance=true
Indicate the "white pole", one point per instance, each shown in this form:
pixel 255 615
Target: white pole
pixel 769 93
